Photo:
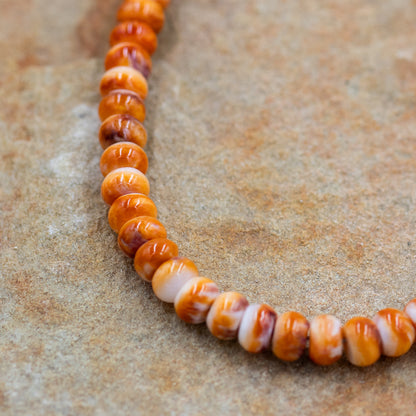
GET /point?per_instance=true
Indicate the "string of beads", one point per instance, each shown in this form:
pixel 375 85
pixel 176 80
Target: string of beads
pixel 175 279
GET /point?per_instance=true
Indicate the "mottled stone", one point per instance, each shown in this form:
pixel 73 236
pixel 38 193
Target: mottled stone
pixel 282 143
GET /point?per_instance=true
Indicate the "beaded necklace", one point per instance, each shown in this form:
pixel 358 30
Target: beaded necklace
pixel 175 279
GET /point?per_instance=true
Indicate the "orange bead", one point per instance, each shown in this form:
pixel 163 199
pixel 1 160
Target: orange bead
pixel 129 54
pixel 137 231
pixel 193 301
pixel 325 340
pixel 130 206
pixel 122 128
pixel 163 3
pixel 290 336
pixel 123 78
pixel 171 276
pixel 256 328
pixel 122 102
pixel 362 341
pixel 123 181
pixel 123 155
pixel 396 331
pixel 410 311
pixel 152 254
pixel 147 11
pixel 225 315
pixel 136 32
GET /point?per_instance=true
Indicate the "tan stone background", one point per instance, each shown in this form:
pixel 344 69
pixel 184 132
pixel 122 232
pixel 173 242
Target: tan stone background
pixel 282 151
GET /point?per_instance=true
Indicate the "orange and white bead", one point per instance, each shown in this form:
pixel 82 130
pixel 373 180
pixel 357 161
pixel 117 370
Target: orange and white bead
pixel 410 311
pixel 130 206
pixel 256 328
pixel 396 331
pixel 153 254
pixel 123 181
pixel 325 340
pixel 170 276
pixel 290 336
pixel 194 299
pixel 147 11
pixel 225 315
pixel 362 341
pixel 137 231
pixel 122 102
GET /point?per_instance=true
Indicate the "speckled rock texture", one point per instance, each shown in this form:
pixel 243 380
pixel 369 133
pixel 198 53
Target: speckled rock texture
pixel 282 144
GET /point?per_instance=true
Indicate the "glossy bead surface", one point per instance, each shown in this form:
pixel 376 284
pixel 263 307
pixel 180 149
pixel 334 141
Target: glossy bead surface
pixel 151 255
pixel 362 341
pixel 163 3
pixel 225 315
pixel 256 328
pixel 123 78
pixel 171 276
pixel 130 206
pixel 193 301
pixel 122 102
pixel 123 155
pixel 136 32
pixel 325 340
pixel 410 311
pixel 129 54
pixel 396 331
pixel 123 181
pixel 122 128
pixel 290 336
pixel 137 231
pixel 147 11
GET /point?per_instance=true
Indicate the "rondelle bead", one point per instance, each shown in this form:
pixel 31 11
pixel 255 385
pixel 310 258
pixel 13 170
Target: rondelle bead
pixel 225 315
pixel 396 331
pixel 123 155
pixel 129 54
pixel 256 328
pixel 122 128
pixel 136 32
pixel 193 301
pixel 130 206
pixel 122 102
pixel 147 11
pixel 290 336
pixel 163 3
pixel 151 255
pixel 137 231
pixel 325 340
pixel 170 276
pixel 124 78
pixel 410 311
pixel 123 181
pixel 362 341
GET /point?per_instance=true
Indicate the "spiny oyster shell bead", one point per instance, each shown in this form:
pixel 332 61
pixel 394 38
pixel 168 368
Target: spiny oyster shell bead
pixel 122 128
pixel 123 181
pixel 151 255
pixel 225 315
pixel 193 301
pixel 290 336
pixel 137 231
pixel 362 341
pixel 410 311
pixel 256 328
pixel 130 206
pixel 129 54
pixel 124 78
pixel 147 11
pixel 325 340
pixel 123 155
pixel 396 331
pixel 136 32
pixel 170 276
pixel 122 102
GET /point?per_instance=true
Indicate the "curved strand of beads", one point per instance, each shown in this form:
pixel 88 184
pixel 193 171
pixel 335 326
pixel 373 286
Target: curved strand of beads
pixel 176 280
